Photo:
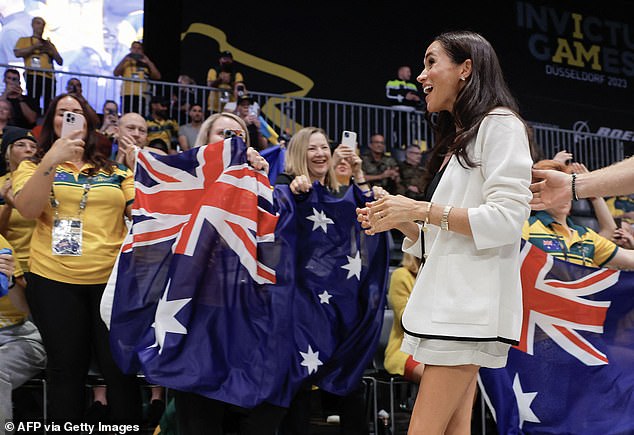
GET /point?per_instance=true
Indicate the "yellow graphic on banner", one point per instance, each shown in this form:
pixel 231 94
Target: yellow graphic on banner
pixel 270 109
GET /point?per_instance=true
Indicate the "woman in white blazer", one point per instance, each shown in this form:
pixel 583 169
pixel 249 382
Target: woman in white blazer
pixel 466 308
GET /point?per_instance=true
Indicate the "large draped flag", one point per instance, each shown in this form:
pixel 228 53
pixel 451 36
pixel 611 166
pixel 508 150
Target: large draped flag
pixel 573 370
pixel 230 290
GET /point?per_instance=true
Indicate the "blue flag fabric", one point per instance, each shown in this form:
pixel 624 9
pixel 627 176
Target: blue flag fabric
pixel 275 155
pixel 573 371
pixel 230 290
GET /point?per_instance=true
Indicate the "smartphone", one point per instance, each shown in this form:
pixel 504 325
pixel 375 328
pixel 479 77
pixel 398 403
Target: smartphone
pixel 72 122
pixel 349 138
pixel 617 221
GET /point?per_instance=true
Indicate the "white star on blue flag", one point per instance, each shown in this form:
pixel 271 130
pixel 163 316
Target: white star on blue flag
pixel 320 220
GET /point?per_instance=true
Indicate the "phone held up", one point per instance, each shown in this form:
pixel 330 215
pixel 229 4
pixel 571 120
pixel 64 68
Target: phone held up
pixel 618 221
pixel 72 122
pixel 349 138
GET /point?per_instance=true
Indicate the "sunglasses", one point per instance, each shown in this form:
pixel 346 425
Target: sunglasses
pixel 111 112
pixel 228 133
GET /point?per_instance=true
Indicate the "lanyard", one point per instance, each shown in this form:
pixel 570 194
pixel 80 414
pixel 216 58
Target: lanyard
pixel 82 201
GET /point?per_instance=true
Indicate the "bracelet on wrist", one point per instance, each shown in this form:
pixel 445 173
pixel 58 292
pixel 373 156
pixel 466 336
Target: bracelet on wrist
pixel 428 212
pixel 444 220
pixel 574 187
pixel 425 222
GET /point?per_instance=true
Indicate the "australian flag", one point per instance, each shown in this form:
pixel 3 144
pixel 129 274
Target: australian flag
pixel 231 290
pixel 573 370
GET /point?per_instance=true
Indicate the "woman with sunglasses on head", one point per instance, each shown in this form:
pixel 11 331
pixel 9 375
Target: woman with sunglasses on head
pixel 223 125
pixel 465 311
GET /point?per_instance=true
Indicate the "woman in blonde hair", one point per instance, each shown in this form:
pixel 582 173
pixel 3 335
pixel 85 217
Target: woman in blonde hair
pixel 213 128
pixel 308 159
pixel 220 126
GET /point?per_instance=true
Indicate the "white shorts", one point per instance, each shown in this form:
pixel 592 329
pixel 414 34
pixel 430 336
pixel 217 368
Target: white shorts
pixel 491 354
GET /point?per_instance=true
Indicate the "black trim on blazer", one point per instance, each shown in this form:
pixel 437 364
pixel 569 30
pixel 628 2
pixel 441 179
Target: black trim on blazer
pixel 450 337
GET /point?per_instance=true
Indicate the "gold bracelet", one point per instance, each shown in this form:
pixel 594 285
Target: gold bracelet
pixel 444 221
pixel 428 212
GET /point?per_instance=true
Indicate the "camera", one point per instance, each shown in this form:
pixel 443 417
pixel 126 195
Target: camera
pixel 240 89
pixel 228 133
pixel 135 56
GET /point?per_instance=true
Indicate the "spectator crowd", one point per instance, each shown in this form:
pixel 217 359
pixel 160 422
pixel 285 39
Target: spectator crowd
pixel 53 183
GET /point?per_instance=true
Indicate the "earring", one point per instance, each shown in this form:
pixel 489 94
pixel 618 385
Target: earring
pixel 462 78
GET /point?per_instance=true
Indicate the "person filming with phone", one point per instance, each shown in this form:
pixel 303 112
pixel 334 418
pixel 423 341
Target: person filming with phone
pixel 223 79
pixel 79 199
pixel 24 108
pixel 137 68
pixel 38 54
pixel 248 111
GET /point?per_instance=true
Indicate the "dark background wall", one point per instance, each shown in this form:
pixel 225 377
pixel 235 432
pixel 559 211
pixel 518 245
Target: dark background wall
pixel 570 63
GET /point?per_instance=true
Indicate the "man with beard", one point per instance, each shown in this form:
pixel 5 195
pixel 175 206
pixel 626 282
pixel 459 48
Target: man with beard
pixel 187 133
pixel 158 124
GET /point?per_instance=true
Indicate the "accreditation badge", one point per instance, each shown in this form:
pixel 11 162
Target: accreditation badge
pixel 35 62
pixel 67 236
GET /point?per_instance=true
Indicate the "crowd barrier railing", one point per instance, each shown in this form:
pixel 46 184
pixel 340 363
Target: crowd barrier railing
pixel 288 113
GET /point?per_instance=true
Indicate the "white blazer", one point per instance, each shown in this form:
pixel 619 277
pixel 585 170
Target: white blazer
pixel 469 287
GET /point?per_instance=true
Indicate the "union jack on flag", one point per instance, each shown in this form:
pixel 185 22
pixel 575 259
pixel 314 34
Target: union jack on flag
pixel 186 198
pixel 572 372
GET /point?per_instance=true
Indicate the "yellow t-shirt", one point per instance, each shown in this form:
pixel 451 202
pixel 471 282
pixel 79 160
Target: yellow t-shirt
pixel 214 97
pixel 38 59
pixel 9 315
pixel 19 233
pixel 583 246
pixel 133 71
pixel 103 222
pixel 401 285
pixel 166 129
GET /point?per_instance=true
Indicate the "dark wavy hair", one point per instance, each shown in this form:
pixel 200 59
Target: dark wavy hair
pixel 48 137
pixel 484 90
